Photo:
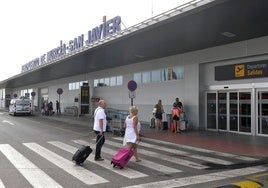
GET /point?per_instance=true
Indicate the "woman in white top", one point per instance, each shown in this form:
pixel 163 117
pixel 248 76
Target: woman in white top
pixel 132 133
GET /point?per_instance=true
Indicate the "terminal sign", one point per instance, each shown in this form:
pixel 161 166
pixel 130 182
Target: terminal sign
pixel 256 69
pixel 132 85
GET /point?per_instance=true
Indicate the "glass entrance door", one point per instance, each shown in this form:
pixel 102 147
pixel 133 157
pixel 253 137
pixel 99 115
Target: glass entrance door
pixel 230 111
pixel 245 112
pixel 222 110
pixel 263 112
pixel 233 106
pixel 211 110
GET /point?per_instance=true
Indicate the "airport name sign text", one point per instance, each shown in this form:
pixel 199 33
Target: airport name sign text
pixel 103 30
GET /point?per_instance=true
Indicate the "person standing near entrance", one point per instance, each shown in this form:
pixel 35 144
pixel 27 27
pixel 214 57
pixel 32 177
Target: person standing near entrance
pixel 178 103
pixel 159 110
pixel 58 107
pixel 99 128
pixel 176 118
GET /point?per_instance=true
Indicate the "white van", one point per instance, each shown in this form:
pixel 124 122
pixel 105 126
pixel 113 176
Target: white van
pixel 20 106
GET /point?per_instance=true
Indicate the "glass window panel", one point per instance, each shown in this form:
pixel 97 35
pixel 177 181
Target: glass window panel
pixel 178 72
pixel 119 80
pixel 96 83
pixel 171 75
pixel 113 81
pixel 137 77
pixel 164 74
pixel 107 81
pixel 156 75
pixel 146 77
pixel 102 80
pixel 77 85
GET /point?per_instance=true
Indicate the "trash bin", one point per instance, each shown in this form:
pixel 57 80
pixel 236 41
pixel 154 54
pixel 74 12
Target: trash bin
pixel 169 119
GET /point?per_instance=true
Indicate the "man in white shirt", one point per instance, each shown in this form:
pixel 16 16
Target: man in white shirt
pixel 99 128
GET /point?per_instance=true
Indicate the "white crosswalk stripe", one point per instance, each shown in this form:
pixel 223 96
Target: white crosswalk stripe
pixel 180 182
pixel 35 176
pixel 244 158
pixel 1 184
pixel 80 173
pixel 175 160
pixel 126 172
pixel 179 152
pixel 146 163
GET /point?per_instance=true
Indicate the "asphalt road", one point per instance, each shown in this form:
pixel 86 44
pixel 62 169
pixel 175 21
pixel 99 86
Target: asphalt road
pixel 37 152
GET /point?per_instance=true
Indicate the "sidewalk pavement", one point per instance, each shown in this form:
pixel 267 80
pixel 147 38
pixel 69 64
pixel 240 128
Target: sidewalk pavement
pixel 234 143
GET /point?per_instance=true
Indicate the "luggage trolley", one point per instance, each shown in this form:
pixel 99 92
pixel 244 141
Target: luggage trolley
pixel 183 121
pixel 116 122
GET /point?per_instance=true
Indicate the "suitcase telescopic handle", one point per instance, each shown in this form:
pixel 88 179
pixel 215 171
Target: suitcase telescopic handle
pixel 98 140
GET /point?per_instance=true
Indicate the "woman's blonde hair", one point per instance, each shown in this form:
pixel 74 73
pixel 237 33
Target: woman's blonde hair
pixel 133 109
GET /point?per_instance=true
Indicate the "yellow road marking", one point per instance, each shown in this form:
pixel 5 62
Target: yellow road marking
pixel 247 184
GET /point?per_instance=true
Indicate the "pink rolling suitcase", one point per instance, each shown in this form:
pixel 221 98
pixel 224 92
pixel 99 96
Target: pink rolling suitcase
pixel 122 157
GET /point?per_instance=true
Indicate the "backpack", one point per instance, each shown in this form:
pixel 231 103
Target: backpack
pixel 175 113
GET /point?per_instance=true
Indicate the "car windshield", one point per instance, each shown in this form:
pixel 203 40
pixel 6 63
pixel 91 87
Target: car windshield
pixel 23 103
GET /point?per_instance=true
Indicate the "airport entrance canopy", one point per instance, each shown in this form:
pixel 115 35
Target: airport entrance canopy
pixel 194 26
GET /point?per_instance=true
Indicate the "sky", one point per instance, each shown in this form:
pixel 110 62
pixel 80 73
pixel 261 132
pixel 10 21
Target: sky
pixel 30 28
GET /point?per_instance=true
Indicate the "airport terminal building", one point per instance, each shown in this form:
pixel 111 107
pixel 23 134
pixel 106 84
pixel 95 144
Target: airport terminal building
pixel 212 54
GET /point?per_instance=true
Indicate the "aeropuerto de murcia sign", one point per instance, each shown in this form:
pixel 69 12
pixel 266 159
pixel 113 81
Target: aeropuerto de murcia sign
pixel 103 30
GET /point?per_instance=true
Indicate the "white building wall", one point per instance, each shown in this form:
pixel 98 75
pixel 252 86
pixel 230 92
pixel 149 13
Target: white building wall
pixel 199 73
pixel 148 94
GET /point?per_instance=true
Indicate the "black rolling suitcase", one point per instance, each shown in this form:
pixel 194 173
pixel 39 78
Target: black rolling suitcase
pixel 165 125
pixel 152 123
pixel 81 154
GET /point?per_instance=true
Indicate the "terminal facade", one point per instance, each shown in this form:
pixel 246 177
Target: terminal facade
pixel 212 55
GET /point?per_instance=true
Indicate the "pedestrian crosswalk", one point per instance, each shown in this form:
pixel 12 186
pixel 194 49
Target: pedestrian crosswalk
pixel 158 157
pixel 29 170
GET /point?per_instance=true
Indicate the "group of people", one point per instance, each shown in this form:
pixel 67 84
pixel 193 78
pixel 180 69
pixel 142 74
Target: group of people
pixel 158 112
pixel 131 125
pixel 47 108
pixel 132 135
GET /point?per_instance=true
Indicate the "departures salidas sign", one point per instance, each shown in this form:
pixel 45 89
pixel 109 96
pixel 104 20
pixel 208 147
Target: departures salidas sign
pixel 103 30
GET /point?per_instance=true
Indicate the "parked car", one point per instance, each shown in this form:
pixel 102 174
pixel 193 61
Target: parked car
pixel 20 106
